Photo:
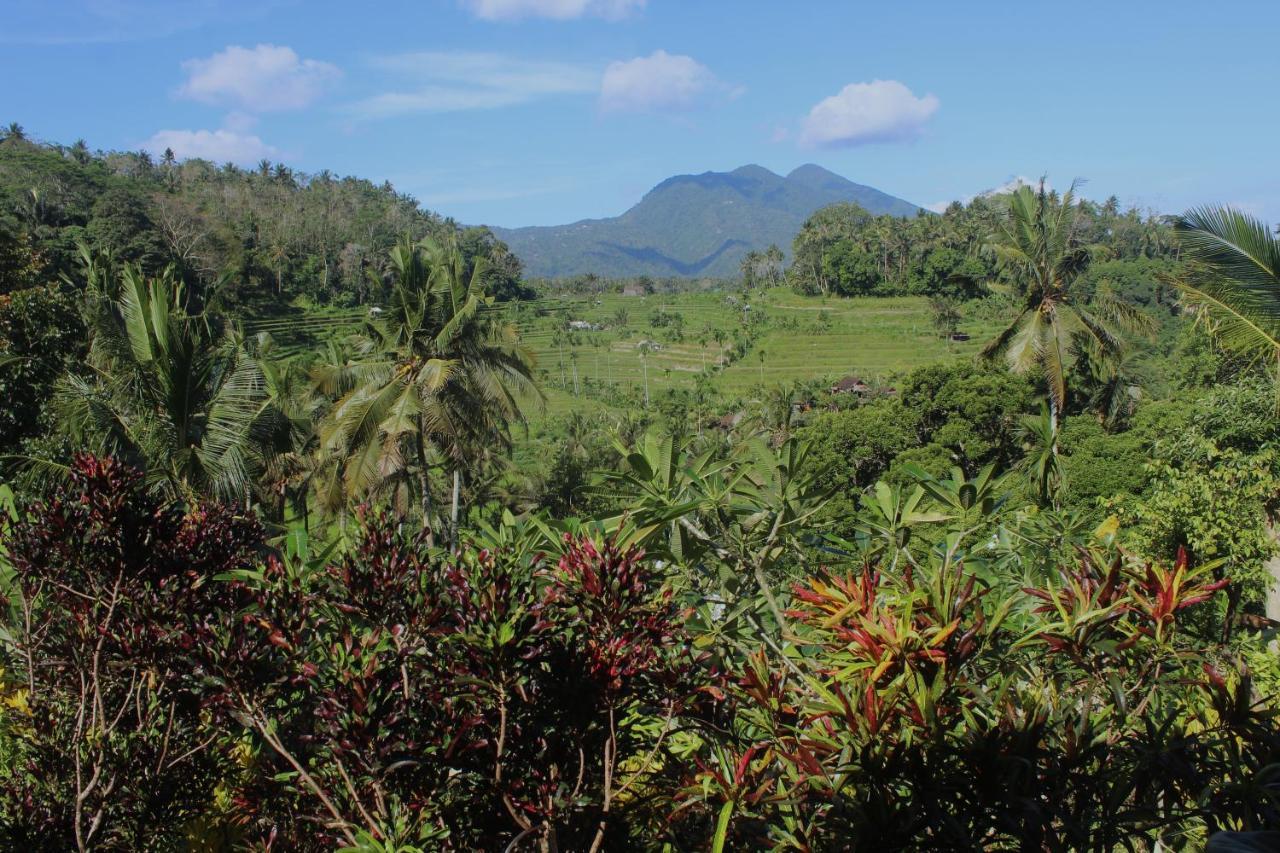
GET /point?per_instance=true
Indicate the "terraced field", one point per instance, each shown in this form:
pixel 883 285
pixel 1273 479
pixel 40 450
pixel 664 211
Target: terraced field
pixel 796 338
pixel 800 338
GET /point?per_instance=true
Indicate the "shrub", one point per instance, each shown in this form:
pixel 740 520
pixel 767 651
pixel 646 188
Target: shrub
pixel 929 712
pixel 466 700
pixel 102 720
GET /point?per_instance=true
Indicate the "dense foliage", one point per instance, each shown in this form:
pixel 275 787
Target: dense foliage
pixel 316 598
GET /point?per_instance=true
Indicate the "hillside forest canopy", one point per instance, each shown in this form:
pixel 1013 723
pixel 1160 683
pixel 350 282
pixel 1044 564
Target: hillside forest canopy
pixel 323 527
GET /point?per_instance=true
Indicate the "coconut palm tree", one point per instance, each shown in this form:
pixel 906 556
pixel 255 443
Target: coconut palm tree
pixel 1040 249
pixel 443 371
pixel 175 393
pixel 1233 279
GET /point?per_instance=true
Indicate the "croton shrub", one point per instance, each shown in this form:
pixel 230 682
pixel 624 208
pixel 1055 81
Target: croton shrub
pixel 171 682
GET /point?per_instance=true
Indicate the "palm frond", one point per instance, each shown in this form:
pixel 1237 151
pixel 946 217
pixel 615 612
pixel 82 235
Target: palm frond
pixel 1233 281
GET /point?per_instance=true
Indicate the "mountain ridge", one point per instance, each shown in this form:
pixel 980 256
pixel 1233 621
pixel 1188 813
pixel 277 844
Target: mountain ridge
pixel 694 224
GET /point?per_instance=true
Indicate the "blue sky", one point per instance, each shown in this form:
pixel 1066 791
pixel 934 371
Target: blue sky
pixel 519 112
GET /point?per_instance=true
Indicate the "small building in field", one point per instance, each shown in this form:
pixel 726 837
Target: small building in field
pixel 633 288
pixel 851 385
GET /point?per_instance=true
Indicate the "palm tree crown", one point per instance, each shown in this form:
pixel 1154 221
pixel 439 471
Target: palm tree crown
pixel 444 371
pixel 1040 247
pixel 176 393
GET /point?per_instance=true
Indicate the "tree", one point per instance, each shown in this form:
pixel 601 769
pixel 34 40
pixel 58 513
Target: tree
pixel 446 371
pixel 946 315
pixel 41 331
pixel 1040 248
pixel 106 748
pixel 645 348
pixel 121 224
pixel 749 266
pixel 175 393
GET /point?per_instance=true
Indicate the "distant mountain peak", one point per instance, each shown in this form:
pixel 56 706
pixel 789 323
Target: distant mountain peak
pixel 811 169
pixel 751 170
pixel 695 225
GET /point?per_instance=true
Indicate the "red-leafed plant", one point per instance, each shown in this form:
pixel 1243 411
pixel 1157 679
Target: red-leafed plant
pixel 935 711
pixel 465 700
pixel 107 590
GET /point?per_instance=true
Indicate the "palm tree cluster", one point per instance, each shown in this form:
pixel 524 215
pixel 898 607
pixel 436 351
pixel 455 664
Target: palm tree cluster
pixel 762 269
pixel 433 384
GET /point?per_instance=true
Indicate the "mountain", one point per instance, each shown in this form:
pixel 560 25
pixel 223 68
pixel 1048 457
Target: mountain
pixel 694 225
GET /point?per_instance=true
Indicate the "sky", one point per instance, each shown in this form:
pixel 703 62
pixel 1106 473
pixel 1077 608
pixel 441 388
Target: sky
pixel 541 112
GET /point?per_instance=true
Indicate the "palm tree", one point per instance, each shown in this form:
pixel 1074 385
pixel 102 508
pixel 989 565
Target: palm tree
pixel 1040 248
pixel 645 348
pixel 946 316
pixel 1233 280
pixel 748 266
pixel 175 393
pixel 293 466
pixel 444 373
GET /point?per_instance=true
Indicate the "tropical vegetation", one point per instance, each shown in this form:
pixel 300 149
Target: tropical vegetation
pixel 300 551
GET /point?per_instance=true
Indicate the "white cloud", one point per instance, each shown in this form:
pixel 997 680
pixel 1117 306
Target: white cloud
pixel 258 79
pixel 220 146
pixel 658 82
pixel 455 81
pixel 863 113
pixel 561 10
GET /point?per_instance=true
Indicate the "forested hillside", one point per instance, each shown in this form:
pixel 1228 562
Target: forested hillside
pixel 269 234
pixel 845 249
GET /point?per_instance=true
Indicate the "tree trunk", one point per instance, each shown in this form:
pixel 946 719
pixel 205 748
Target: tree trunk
pixel 453 514
pixel 424 482
pixel 453 511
